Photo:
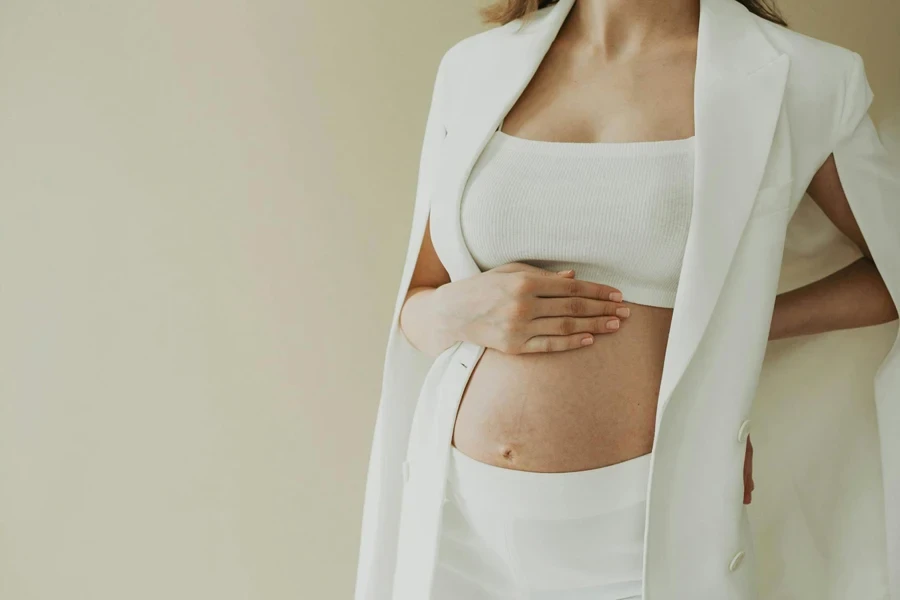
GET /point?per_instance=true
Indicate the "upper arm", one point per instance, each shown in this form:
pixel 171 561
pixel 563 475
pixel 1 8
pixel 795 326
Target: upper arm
pixel 422 266
pixel 826 190
pixel 429 270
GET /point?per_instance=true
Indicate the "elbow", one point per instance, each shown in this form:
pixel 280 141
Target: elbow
pixel 887 307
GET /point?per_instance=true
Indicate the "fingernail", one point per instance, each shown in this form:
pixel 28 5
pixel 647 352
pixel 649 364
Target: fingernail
pixel 623 312
pixel 587 341
pixel 612 324
pixel 616 296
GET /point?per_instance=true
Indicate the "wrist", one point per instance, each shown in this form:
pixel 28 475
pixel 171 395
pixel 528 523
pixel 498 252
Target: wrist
pixel 448 324
pixel 781 318
pixel 774 332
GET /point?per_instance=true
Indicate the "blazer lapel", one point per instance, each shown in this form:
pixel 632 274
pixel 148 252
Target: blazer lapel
pixel 493 87
pixel 738 90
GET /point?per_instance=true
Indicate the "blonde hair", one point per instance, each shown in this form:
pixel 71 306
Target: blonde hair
pixel 502 12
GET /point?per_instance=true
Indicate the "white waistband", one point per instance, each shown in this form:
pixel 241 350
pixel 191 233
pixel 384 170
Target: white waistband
pixel 530 494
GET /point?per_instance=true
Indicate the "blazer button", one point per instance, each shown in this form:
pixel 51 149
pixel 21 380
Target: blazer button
pixel 744 431
pixel 736 561
pixel 405 471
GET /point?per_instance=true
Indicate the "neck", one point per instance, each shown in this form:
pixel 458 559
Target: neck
pixel 616 28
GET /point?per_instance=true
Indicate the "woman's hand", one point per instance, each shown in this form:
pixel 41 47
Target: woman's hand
pixel 748 471
pixel 518 308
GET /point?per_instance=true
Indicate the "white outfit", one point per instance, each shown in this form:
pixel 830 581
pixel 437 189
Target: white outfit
pixel 771 105
pixel 616 213
pixel 521 535
pixel 619 214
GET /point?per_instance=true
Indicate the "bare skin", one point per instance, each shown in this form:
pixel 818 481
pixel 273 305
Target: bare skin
pixel 616 72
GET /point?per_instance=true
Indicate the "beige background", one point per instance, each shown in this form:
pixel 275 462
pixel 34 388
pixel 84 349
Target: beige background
pixel 203 210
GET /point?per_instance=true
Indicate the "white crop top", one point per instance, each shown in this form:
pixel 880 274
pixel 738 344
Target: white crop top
pixel 616 213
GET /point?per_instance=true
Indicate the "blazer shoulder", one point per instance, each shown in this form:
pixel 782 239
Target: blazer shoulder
pixel 475 48
pixel 801 45
pixel 478 49
pixel 827 88
pixel 818 67
pixel 471 59
pixel 479 45
pixel 454 64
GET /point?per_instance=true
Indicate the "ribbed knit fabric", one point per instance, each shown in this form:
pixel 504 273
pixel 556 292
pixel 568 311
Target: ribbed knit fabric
pixel 616 213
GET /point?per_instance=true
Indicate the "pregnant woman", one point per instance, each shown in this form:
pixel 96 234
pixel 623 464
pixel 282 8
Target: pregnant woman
pixel 577 213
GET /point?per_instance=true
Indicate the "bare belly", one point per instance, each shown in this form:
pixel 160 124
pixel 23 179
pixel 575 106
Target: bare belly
pixel 567 411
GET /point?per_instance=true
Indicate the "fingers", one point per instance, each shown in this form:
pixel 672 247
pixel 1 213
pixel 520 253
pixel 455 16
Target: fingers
pixel 564 326
pixel 566 312
pixel 556 343
pixel 555 334
pixel 748 471
pixel 557 286
pixel 544 283
pixel 748 460
pixel 577 307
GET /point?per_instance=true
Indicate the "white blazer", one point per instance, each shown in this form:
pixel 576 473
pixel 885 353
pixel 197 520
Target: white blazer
pixel 770 105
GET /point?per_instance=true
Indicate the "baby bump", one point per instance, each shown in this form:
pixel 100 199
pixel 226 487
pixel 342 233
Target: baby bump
pixel 571 410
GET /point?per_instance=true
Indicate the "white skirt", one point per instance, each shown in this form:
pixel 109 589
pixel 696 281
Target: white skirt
pixel 522 535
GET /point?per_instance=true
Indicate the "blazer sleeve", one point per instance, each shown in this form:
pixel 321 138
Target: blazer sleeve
pixel 429 159
pixel 870 176
pixel 404 371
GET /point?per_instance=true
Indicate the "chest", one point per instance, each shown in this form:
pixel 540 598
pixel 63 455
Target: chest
pixel 617 213
pixel 583 97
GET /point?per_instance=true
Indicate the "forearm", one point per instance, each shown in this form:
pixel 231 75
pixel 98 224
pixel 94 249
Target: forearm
pixel 854 296
pixel 424 323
